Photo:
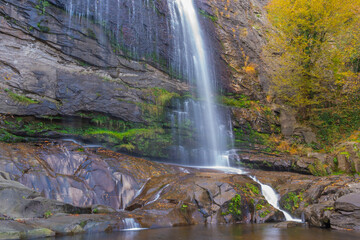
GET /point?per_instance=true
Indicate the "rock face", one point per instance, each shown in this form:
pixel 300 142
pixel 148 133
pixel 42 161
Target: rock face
pixel 81 176
pixel 240 28
pixel 322 201
pixel 63 72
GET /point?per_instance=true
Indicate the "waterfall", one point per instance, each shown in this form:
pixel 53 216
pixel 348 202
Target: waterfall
pixel 273 199
pixel 193 61
pixel 131 225
pixel 201 129
pixel 190 58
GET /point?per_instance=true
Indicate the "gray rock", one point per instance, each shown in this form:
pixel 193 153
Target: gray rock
pixel 16 230
pixel 288 224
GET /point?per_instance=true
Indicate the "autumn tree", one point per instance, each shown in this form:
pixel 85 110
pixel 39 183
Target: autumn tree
pixel 316 47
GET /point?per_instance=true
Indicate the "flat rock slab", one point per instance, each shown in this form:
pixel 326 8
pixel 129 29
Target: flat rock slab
pixel 17 230
pixel 349 202
pixel 288 224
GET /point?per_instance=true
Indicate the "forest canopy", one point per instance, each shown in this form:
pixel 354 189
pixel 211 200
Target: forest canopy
pixel 316 47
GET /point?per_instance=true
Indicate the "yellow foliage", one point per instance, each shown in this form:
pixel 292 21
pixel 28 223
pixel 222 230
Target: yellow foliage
pixel 283 146
pixel 250 69
pixel 316 44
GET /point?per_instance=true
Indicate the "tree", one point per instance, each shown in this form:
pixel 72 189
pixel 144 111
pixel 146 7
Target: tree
pixel 315 45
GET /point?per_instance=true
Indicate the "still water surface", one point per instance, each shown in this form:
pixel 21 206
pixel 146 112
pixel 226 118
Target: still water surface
pixel 223 232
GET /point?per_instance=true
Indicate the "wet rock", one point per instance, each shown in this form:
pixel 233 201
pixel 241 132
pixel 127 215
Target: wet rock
pixel 73 72
pixel 288 225
pixel 16 230
pixel 206 198
pixel 102 209
pixel 328 202
pixel 91 176
pixel 18 201
pixel 256 159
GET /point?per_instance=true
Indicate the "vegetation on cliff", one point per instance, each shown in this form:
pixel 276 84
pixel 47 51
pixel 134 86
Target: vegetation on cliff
pixel 316 46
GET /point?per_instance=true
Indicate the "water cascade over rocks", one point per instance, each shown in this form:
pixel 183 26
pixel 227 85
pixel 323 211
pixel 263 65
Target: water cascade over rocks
pixel 192 59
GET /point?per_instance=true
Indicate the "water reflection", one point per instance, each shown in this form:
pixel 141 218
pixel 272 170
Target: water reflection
pixel 224 232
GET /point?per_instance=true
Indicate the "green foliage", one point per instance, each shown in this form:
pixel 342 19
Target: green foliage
pixel 42 5
pixel 184 207
pixel 20 98
pixel 5 136
pixel 292 201
pixel 234 207
pixel 47 214
pixel 240 102
pixel 207 15
pixel 334 124
pixel 264 213
pixel 329 209
pixel 129 134
pixel 253 189
pixel 95 210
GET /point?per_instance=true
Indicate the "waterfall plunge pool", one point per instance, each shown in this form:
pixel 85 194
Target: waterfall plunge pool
pixel 223 232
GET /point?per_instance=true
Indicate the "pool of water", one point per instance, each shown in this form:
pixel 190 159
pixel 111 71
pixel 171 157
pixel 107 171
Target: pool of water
pixel 224 232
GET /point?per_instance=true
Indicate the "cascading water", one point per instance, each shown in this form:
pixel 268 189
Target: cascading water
pixel 192 61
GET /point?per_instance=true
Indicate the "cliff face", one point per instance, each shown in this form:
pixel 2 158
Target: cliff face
pixel 49 68
pixel 95 63
pixel 240 28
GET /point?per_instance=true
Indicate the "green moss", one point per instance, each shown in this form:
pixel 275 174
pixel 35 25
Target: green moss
pixel 255 190
pixel 317 169
pixel 264 213
pixel 207 15
pixel 329 209
pixel 292 201
pixel 161 98
pixel 147 133
pixel 128 146
pixel 240 101
pixel 20 98
pixel 5 136
pixel 83 223
pixel 91 34
pixel 43 29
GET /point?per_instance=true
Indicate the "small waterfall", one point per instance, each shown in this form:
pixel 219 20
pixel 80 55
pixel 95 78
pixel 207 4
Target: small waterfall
pixel 273 198
pixel 190 58
pixel 131 225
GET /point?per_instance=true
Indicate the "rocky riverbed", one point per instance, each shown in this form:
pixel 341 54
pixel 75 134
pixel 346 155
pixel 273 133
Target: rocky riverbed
pixel 58 188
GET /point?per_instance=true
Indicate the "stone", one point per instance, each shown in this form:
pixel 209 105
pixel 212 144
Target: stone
pixel 348 203
pixel 288 224
pixel 60 83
